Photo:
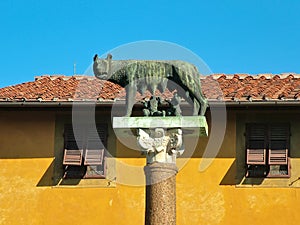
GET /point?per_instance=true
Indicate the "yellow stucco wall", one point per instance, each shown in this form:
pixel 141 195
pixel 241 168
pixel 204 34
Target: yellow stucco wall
pixel 203 197
pixel 26 134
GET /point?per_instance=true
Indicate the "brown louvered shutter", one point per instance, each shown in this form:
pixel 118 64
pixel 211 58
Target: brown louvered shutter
pixel 279 144
pixel 97 138
pixel 74 142
pixel 72 157
pixel 74 139
pixel 256 144
pixel 96 142
pixel 94 157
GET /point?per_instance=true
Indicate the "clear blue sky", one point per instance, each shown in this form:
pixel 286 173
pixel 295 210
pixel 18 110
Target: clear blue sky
pixel 231 36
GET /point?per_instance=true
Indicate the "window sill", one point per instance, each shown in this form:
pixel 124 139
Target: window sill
pixel 264 182
pixel 86 183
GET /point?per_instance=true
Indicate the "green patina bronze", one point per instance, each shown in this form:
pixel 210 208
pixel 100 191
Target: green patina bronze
pixel 140 75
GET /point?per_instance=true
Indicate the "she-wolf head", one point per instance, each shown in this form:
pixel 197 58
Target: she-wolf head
pixel 102 67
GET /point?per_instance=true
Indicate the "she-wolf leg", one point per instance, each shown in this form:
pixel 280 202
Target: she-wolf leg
pixel 200 105
pixel 196 107
pixel 131 90
pixel 204 105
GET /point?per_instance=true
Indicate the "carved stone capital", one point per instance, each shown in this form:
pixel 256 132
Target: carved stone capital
pixel 160 144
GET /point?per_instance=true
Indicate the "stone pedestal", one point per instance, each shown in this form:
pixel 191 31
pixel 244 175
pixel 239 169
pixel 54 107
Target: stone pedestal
pixel 160 194
pixel 161 140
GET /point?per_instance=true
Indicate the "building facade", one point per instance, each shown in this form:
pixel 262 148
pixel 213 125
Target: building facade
pixel 251 177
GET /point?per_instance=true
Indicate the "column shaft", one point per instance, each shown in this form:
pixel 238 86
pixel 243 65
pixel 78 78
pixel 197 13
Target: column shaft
pixel 160 194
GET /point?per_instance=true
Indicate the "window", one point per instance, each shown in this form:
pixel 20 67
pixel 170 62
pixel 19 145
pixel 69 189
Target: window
pixel 267 150
pixel 84 151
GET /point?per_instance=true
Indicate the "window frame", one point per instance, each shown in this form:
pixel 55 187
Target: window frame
pixel 260 136
pixel 85 136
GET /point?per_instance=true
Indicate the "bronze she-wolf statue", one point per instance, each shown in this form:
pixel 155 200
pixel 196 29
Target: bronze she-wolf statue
pixel 140 75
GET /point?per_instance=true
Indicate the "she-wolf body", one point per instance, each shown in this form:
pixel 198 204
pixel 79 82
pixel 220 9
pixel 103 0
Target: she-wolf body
pixel 140 75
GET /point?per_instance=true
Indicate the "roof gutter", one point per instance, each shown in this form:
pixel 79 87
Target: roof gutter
pixel 52 104
pixel 110 103
pixel 258 103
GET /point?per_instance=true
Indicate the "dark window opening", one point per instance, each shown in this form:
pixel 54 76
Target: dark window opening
pixel 267 150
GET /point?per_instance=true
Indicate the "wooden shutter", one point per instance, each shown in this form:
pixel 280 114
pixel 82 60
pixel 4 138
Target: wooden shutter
pixel 94 157
pixel 278 157
pixel 97 136
pixel 74 137
pixel 102 132
pixel 279 144
pixel 96 142
pixel 72 157
pixel 256 143
pixel 256 156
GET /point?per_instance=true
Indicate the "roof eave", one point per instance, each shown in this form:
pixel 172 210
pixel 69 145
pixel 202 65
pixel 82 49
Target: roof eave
pixel 111 102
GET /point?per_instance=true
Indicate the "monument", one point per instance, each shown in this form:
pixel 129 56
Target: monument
pixel 160 132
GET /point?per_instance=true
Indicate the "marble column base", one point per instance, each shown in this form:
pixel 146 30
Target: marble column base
pixel 160 194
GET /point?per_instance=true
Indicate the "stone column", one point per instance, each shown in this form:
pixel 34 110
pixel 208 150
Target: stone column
pixel 161 147
pixel 160 193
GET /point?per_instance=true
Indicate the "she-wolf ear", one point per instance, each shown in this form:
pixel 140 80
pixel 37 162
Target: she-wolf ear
pixel 109 56
pixel 95 57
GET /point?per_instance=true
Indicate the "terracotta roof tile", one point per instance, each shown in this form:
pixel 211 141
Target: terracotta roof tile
pixel 232 87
